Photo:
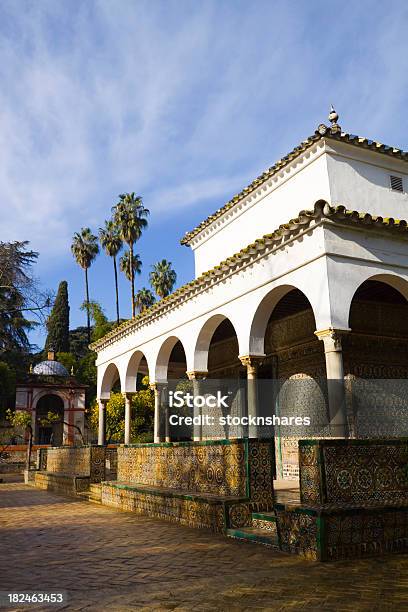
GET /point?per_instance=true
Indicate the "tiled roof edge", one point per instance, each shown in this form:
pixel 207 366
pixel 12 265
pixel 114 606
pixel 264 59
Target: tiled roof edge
pixel 273 241
pixel 322 132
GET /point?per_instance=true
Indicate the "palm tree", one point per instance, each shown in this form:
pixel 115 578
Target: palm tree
pixel 85 248
pixel 111 242
pixel 144 299
pixel 125 264
pixel 163 278
pixel 130 216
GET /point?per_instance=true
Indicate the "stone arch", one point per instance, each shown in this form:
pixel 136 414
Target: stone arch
pixel 394 281
pixel 163 357
pixel 375 357
pixel 137 364
pixel 43 392
pixel 110 376
pixel 263 313
pixel 204 338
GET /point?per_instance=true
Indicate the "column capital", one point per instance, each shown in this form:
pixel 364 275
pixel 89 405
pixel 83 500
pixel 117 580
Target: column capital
pixel 102 400
pixel 197 374
pixel 157 386
pixel 129 394
pixel 251 361
pixel 331 338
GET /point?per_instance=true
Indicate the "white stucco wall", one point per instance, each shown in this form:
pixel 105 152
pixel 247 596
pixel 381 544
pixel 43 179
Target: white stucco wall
pixel 360 180
pixel 333 171
pixel 298 186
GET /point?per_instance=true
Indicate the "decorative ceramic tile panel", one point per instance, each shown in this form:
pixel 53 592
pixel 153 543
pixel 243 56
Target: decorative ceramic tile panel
pixel 217 468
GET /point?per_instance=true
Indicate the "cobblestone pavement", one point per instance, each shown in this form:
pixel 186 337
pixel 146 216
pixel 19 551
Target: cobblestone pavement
pixel 106 559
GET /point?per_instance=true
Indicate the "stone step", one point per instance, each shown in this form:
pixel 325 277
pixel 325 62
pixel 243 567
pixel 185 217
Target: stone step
pixel 256 535
pixel 95 493
pixel 84 495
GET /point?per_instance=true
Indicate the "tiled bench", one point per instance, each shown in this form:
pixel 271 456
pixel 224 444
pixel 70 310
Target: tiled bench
pixel 213 484
pixel 65 484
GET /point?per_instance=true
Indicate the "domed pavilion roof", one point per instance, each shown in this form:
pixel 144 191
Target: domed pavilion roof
pixel 50 367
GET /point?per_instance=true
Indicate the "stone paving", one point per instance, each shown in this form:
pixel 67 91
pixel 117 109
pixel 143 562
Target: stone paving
pixel 111 560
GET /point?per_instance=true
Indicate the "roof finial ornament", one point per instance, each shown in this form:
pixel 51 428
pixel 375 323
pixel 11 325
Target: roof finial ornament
pixel 333 118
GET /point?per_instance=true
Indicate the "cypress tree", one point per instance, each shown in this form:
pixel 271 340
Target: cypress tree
pixel 58 322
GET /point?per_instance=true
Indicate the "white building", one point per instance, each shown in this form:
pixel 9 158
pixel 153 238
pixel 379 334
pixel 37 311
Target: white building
pixel 279 269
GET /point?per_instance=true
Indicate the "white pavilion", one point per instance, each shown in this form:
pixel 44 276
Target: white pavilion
pixel 301 275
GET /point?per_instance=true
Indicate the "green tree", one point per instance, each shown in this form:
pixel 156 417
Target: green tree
pixel 101 324
pixel 111 242
pixel 58 322
pixel 84 249
pixel 115 417
pixel 144 299
pixel 86 373
pixel 19 294
pixel 7 385
pixel 68 360
pixel 142 414
pixel 130 216
pixel 163 278
pixel 21 420
pixel 125 265
pixel 78 341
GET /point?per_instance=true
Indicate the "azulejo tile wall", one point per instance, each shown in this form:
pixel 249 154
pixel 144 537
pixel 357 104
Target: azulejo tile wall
pixel 355 493
pixel 65 484
pixel 354 471
pixel 192 512
pixel 77 461
pixel 97 465
pixel 216 484
pixel 71 460
pixel 299 533
pixel 219 468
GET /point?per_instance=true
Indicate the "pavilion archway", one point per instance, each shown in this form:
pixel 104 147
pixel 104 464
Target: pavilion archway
pixel 217 360
pixel 375 356
pixel 47 432
pixel 170 377
pixel 136 370
pixel 110 382
pixel 292 373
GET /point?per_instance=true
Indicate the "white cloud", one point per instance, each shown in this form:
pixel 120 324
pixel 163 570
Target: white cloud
pixel 180 100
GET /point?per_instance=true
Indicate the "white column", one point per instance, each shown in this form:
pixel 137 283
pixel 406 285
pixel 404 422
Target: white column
pixel 128 416
pixel 251 363
pixel 331 339
pixel 102 422
pixel 196 377
pixel 34 425
pixel 157 412
pixel 164 400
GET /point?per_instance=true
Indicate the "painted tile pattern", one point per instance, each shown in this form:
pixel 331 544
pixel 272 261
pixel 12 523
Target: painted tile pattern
pixel 354 471
pixel 218 469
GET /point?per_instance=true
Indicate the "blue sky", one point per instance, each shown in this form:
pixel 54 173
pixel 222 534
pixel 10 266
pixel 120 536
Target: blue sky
pixel 182 102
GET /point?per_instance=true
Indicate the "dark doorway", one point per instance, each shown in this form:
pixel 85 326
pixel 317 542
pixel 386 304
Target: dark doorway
pixel 49 433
